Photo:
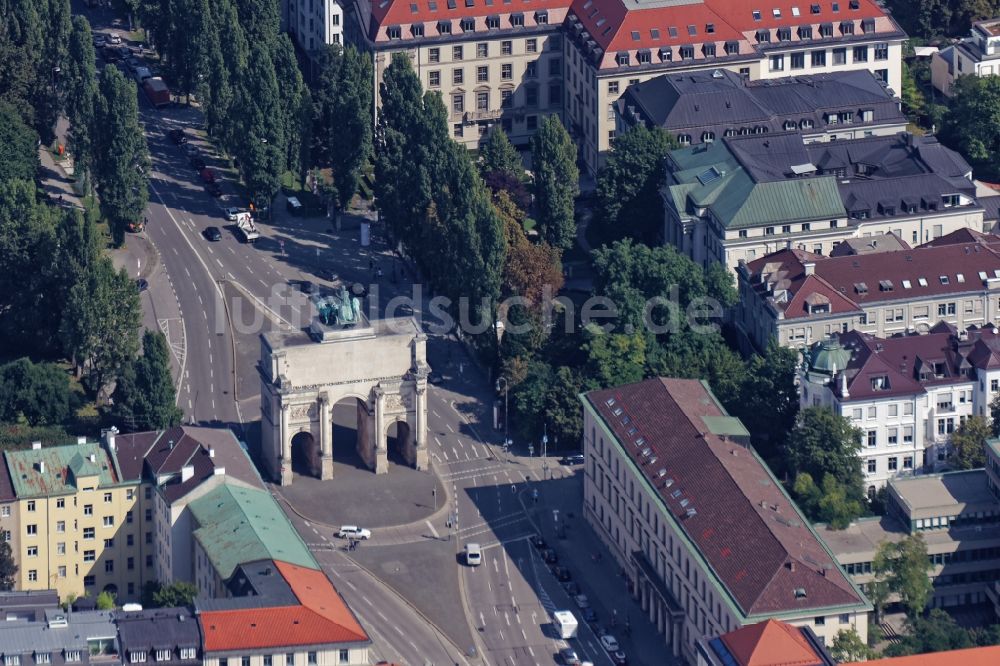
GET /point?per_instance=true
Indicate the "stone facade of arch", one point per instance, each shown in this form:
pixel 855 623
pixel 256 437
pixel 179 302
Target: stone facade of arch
pixel 383 366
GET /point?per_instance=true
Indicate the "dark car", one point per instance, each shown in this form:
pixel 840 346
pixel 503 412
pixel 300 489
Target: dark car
pixel 563 575
pixel 307 287
pixel 619 658
pixel 214 189
pixel 550 556
pixel 141 285
pixel 213 233
pixel 197 162
pixel 572 459
pixel 538 542
pixel 434 378
pixel 110 54
pixel 572 589
pixel 589 616
pixel 177 136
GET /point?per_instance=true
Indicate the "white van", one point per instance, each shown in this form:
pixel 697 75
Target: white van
pixel 473 554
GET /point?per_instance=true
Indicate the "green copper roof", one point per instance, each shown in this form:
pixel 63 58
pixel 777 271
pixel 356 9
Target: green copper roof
pixel 828 356
pixel 245 524
pixel 738 201
pixel 725 425
pixel 62 466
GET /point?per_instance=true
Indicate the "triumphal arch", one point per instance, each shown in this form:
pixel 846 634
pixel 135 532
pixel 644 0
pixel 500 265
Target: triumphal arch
pixel 379 366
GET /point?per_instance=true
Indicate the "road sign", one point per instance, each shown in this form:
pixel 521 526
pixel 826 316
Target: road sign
pixel 531 449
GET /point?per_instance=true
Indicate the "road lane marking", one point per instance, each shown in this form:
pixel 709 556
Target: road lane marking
pixel 220 263
pixel 431 528
pixel 399 631
pixel 506 617
pixel 381 615
pixel 455 451
pixel 449 427
pixel 175 251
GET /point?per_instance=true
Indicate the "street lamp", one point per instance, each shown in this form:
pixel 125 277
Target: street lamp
pixel 545 450
pixel 506 439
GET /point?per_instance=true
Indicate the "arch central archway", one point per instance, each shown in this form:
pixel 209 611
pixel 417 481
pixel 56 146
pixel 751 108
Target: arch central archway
pixel 399 443
pixel 351 433
pixel 305 455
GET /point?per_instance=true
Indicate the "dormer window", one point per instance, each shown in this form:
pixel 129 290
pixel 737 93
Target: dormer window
pixel 847 28
pixel 708 50
pixel 493 22
pixel 622 59
pixel 192 653
pixel 868 26
pixel 756 15
pixel 805 32
pixel 826 30
pixel 417 29
pixel 666 54
pixel 880 383
pixel 687 52
pixel 517 20
pixel 784 34
pixel 444 27
pixel 137 656
pixel 542 17
pixel 163 655
pixel 732 48
pixel 763 36
pixel 468 24
pixel 644 57
pixel 394 32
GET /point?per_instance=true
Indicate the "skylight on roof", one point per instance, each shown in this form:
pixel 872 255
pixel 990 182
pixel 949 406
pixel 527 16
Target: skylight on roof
pixel 617 411
pixel 413 8
pixel 692 30
pixel 906 284
pixel 709 175
pixel 944 279
pixel 654 33
pixel 996 272
pixel 673 31
pixel 777 12
pixel 922 282
pixel 640 441
pixel 635 35
pixel 835 6
pixel 610 402
pixel 795 11
pixel 756 15
pixel 960 277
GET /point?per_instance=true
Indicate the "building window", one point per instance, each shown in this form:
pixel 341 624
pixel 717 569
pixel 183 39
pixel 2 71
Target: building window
pixel 149 561
pixel 506 47
pixel 245 661
pixel 61 503
pixel 434 55
pixel 31 505
pixel 612 87
pixel 893 463
pixel 33 575
pixel 73 656
pixel 188 652
pixel 872 439
pixel 531 122
pixel 819 621
pixel 623 59
pixel 482 74
pixel 555 94
pixel 457 76
pixel 531 70
pixel 482 101
pixel 88 533
pixel 311 659
pixel 60 526
pixel 109 543
pixel 345 656
pixel 109 521
pixel 149 537
pixel 777 63
pixel 555 67
pixel 62 571
pixel 893 436
pixel 434 78
pixel 483 50
pixel 907 462
pixel 871 465
pixel 506 99
pixel 61 548
pixel 149 492
pixel 818 58
pixel 88 581
pixel 109 566
pixel 798 60
pixel 457 52
pixel 531 95
pixel 268 660
pixel 290 659
pixel 88 509
pixel 507 71
pixel 860 54
pixel 12 660
pixel 840 56
pixel 882 51
pixel 43 658
pixel 164 655
pixel 32 551
pixel 137 656
pixel 531 45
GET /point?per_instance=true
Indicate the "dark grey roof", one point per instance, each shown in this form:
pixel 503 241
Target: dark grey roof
pixel 992 207
pixel 54 638
pixel 256 584
pixel 160 629
pixel 27 605
pixel 695 102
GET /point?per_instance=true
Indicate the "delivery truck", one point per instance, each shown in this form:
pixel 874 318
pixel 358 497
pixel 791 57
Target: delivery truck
pixel 565 623
pixel 246 227
pixel 157 91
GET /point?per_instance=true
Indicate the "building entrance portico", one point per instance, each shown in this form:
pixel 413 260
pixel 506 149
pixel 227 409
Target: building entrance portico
pixel 379 368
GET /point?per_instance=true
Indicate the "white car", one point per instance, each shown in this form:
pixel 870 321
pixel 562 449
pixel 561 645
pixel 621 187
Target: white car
pixel 609 643
pixel 582 601
pixel 233 213
pixel 115 38
pixel 354 532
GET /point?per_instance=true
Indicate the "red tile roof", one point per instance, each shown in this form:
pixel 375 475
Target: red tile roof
pixel 753 538
pixel 852 282
pixel 321 617
pixel 981 656
pixel 387 13
pixel 771 643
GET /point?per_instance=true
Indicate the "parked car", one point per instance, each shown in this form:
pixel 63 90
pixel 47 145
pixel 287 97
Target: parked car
pixel 177 136
pixel 550 556
pixel 589 616
pixel 213 189
pixel 197 162
pixel 354 532
pixel 233 212
pixel 207 175
pixel 573 459
pixel 115 38
pixel 619 658
pixel 110 54
pixel 582 601
pixel 141 285
pixel 572 589
pixel 189 148
pixel 568 656
pixel 133 63
pixel 98 40
pixel 213 233
pixel 538 542
pixel 562 574
pixel 609 643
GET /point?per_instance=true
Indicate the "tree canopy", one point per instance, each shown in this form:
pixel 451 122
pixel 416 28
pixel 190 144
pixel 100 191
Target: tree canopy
pixel 35 393
pixel 8 568
pixel 500 156
pixel 900 568
pixel 145 397
pixel 556 184
pixel 972 124
pixel 968 443
pixel 823 442
pixel 18 146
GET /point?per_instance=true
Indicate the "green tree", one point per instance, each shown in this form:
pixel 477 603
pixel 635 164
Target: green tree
pixel 345 108
pixel 295 104
pixel 901 568
pixel 628 186
pixel 8 569
pixel 848 647
pixel 81 85
pixel 37 393
pixel 22 36
pixel 546 401
pixel 145 397
pixel 260 121
pixel 556 182
pixel 969 443
pixel 106 601
pixel 122 156
pixel 499 155
pixel 100 322
pixel 823 442
pixel 174 595
pixel 614 359
pixel 18 146
pixel 829 503
pixel 937 632
pixel 972 126
pixel 995 415
pixel 768 400
pixel 49 90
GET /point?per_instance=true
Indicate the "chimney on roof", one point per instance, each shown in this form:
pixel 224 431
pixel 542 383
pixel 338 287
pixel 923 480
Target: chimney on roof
pixel 843 386
pixel 41 467
pixel 809 267
pixel 211 451
pixel 109 437
pixel 219 471
pixel 93 457
pixel 81 440
pixel 170 444
pixel 36 446
pixel 791 565
pixel 187 472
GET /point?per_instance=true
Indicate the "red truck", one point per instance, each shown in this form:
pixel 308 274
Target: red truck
pixel 157 91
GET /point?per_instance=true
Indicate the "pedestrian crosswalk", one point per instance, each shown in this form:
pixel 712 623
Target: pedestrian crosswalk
pixel 546 600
